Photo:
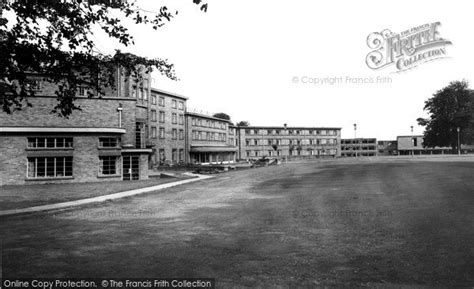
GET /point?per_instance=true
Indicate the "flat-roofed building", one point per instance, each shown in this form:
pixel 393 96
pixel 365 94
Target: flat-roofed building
pixel 358 147
pixel 288 142
pixel 210 140
pixel 167 128
pixel 413 145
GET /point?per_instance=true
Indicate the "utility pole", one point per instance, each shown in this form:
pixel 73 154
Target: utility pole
pixel 355 138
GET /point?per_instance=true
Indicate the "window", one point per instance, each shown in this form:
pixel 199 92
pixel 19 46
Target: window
pixel 109 142
pixel 145 94
pixel 415 141
pixel 49 167
pixel 181 119
pixel 181 105
pixel 153 98
pixel 161 101
pixel 153 131
pixel 162 132
pixel 162 116
pixel 181 155
pixel 173 103
pixel 50 142
pixel 174 155
pixel 82 91
pixel 181 134
pixel 174 133
pixel 174 118
pixel 108 165
pixel 153 115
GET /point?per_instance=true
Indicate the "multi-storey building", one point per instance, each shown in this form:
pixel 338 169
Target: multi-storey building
pixel 106 140
pixel 355 147
pixel 167 127
pixel 283 142
pixel 209 139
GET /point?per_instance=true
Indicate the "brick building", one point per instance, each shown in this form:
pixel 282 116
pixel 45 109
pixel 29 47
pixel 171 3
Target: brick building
pixel 106 140
pixel 288 142
pixel 209 139
pixel 167 127
pixel 358 147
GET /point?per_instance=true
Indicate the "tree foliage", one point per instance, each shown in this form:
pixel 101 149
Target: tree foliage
pixel 222 115
pixel 450 108
pixel 243 123
pixel 54 39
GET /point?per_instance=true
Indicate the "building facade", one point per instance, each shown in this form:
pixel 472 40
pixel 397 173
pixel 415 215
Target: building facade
pixel 209 140
pixel 358 147
pixel 413 145
pixel 288 142
pixel 167 128
pixel 106 140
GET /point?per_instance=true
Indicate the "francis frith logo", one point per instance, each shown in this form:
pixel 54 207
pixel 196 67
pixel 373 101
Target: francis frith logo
pixel 407 49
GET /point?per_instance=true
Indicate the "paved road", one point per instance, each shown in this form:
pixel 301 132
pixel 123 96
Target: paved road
pixel 298 225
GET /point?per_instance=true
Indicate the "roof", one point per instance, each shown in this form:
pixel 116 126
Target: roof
pixel 172 94
pixel 288 127
pixel 206 149
pixel 208 117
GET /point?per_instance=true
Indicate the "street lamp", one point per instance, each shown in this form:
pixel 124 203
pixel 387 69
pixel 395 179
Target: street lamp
pixel 459 141
pixel 412 142
pixel 355 137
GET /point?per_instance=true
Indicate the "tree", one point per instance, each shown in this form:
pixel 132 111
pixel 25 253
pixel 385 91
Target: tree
pixel 222 115
pixel 450 108
pixel 54 39
pixel 243 123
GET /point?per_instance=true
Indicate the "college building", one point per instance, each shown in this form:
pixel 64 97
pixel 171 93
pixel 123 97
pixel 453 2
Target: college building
pixel 132 128
pixel 358 147
pixel 288 142
pixel 106 140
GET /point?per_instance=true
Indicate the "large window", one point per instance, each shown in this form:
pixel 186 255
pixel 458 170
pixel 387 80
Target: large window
pixel 153 115
pixel 162 132
pixel 181 119
pixel 174 103
pixel 162 116
pixel 49 167
pixel 174 133
pixel 108 165
pixel 174 118
pixel 109 142
pixel 161 101
pixel 181 105
pixel 50 142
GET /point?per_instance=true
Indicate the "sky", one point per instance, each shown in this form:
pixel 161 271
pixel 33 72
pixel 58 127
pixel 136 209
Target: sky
pixel 253 60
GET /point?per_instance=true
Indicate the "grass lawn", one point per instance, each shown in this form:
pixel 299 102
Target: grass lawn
pixel 16 197
pixel 376 224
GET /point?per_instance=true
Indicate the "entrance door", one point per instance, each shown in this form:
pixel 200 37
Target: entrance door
pixel 131 168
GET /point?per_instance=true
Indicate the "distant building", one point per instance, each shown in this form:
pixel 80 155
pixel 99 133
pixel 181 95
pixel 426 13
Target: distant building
pixel 358 147
pixel 209 140
pixel 288 142
pixel 387 148
pixel 407 145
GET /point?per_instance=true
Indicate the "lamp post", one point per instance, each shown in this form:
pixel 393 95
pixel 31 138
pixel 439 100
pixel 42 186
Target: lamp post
pixel 459 141
pixel 412 142
pixel 355 137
